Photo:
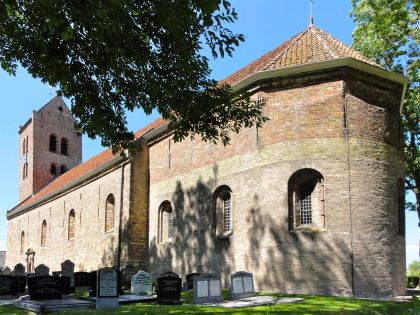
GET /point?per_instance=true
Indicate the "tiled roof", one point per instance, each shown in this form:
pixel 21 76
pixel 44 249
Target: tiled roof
pixel 84 168
pixel 310 46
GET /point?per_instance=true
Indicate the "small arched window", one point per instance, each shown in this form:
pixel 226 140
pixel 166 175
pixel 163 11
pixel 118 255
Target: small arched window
pixel 306 199
pixel 64 146
pixel 53 169
pixel 24 147
pixel 222 211
pixel 72 217
pixel 44 233
pixel 109 213
pixel 63 169
pixel 22 242
pixel 53 143
pixel 165 222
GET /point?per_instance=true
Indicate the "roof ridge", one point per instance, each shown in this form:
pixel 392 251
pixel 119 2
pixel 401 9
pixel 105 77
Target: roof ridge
pixel 293 40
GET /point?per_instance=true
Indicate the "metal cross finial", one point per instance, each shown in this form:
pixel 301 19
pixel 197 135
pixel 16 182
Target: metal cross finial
pixel 311 17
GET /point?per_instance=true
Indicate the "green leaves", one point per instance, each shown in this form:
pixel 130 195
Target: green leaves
pixel 389 33
pixel 112 56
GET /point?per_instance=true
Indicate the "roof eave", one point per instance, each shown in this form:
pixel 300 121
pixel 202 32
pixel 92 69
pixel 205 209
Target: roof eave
pixel 339 62
pixel 112 163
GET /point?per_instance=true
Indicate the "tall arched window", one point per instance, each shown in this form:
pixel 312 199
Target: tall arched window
pixel 72 216
pixel 24 147
pixel 53 143
pixel 63 169
pixel 23 171
pixel 222 211
pixel 53 169
pixel 165 222
pixel 109 213
pixel 22 242
pixel 44 233
pixel 306 197
pixel 27 145
pixel 64 146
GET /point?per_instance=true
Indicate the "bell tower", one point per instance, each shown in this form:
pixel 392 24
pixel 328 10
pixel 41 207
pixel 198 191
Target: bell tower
pixel 49 146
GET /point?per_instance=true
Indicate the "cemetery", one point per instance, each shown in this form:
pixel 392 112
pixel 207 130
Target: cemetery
pixel 90 292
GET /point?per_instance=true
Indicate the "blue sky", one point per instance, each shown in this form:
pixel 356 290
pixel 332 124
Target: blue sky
pixel 265 23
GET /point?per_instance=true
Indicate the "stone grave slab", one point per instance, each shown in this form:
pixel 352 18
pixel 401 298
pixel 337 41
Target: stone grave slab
pixel 107 288
pixel 288 300
pixel 19 270
pixel 45 287
pixel 190 280
pixel 207 289
pixel 7 300
pixel 127 298
pixel 9 285
pixel 7 271
pixel 141 283
pixel 82 281
pixel 247 302
pixel 47 306
pixel 241 285
pixel 42 270
pixel 169 289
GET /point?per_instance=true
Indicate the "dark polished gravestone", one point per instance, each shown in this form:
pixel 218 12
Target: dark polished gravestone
pixel 9 285
pixel 207 289
pixel 42 270
pixel 241 285
pixel 169 289
pixel 47 287
pixel 19 270
pixel 190 280
pixel 107 288
pixel 82 280
pixel 93 283
pixel 22 283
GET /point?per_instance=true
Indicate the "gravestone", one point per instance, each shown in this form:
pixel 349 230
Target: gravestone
pixel 9 285
pixel 93 283
pixel 141 283
pixel 46 287
pixel 83 280
pixel 67 270
pixel 7 271
pixel 190 280
pixel 169 289
pixel 107 288
pixel 42 270
pixel 19 270
pixel 22 283
pixel 241 285
pixel 207 289
pixel 56 273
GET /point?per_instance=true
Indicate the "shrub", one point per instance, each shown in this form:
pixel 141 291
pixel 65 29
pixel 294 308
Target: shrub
pixel 412 282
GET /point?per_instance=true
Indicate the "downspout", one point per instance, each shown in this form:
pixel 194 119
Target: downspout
pixel 120 217
pixel 347 137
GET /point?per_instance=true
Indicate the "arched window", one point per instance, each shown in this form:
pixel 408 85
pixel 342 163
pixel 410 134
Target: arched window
pixel 109 213
pixel 165 222
pixel 64 146
pixel 53 143
pixel 71 225
pixel 44 233
pixel 24 147
pixel 222 211
pixel 53 169
pixel 63 169
pixel 23 171
pixel 306 197
pixel 26 170
pixel 22 242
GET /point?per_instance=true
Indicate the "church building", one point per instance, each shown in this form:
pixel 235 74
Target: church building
pixel 312 202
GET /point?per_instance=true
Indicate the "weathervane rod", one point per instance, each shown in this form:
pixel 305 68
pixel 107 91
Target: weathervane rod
pixel 311 17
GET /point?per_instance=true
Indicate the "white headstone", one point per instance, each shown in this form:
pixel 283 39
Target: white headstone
pixel 242 285
pixel 141 283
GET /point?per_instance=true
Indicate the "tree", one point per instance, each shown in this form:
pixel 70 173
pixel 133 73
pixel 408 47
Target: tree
pixel 389 33
pixel 414 269
pixel 112 56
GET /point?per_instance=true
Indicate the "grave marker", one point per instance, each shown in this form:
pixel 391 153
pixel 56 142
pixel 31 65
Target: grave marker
pixel 42 270
pixel 107 288
pixel 190 280
pixel 7 271
pixel 46 287
pixel 93 283
pixel 169 289
pixel 242 285
pixel 207 289
pixel 19 270
pixel 9 285
pixel 67 270
pixel 82 279
pixel 141 283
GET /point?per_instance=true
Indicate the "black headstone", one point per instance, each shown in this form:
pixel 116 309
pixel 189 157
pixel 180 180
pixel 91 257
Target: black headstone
pixel 169 289
pixel 9 285
pixel 83 279
pixel 92 291
pixel 46 287
pixel 66 288
pixel 22 283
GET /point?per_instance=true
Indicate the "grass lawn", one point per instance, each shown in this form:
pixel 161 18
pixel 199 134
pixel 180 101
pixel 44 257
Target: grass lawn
pixel 313 304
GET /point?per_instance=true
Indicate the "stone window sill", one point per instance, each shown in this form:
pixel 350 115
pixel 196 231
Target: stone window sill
pixel 166 242
pixel 225 235
pixel 308 229
pixel 109 231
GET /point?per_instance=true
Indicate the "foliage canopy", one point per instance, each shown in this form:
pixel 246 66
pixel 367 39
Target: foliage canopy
pixel 112 56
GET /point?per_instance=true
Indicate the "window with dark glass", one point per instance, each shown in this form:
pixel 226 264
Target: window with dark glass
pixel 165 222
pixel 64 146
pixel 63 169
pixel 109 213
pixel 53 143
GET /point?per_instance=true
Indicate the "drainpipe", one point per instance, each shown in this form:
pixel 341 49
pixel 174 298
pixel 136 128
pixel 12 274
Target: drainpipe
pixel 120 217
